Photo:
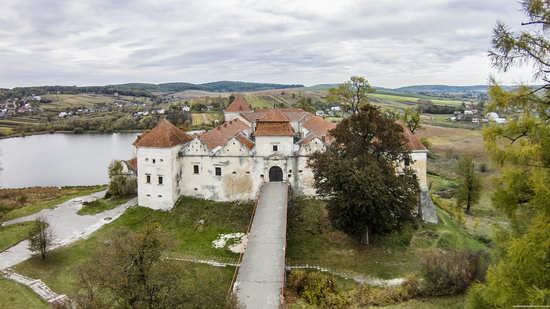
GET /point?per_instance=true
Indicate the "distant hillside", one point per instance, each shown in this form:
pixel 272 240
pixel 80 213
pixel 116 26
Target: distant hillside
pixel 442 89
pixel 219 86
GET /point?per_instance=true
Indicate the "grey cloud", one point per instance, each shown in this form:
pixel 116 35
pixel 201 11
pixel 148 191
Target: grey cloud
pixel 395 43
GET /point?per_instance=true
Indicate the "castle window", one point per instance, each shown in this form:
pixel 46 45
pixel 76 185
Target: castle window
pixel 148 179
pixel 146 159
pixel 160 180
pixel 407 162
pixel 159 195
pixel 218 171
pixel 161 160
pixel 153 161
pixel 290 171
pixel 275 147
pixel 149 195
pixel 195 169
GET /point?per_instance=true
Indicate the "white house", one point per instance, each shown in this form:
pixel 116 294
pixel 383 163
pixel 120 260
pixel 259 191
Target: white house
pixel 231 161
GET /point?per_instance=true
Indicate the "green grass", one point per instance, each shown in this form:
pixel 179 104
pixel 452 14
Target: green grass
pixel 52 203
pixel 12 234
pixel 405 98
pixel 257 102
pixel 449 302
pixel 101 205
pixel 311 240
pixel 16 296
pixel 182 224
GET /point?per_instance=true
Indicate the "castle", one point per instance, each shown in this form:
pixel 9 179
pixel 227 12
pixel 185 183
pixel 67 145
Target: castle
pixel 233 160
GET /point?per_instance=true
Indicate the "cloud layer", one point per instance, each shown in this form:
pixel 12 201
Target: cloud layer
pixel 393 43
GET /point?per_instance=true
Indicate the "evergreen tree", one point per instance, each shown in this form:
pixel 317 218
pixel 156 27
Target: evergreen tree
pixel 522 149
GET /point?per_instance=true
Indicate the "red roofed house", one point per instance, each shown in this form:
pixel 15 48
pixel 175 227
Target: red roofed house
pixel 233 160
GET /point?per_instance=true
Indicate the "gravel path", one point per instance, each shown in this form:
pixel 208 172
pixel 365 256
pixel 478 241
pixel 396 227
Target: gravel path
pixel 66 224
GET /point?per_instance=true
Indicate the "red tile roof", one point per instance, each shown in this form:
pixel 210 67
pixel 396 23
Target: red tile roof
pixel 413 143
pixel 163 135
pixel 273 129
pixel 239 104
pixel 292 114
pixel 318 125
pixel 245 141
pixel 132 164
pixel 222 133
pixel 274 115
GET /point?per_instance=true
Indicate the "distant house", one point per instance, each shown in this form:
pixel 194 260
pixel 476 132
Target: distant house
pixel 319 113
pixel 37 98
pixel 494 117
pixel 185 108
pixel 335 108
pixel 63 115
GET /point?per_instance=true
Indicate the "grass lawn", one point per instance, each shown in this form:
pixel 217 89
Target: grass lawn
pixel 182 224
pixel 312 240
pixel 38 198
pixel 15 296
pixel 12 234
pixel 449 302
pixel 101 205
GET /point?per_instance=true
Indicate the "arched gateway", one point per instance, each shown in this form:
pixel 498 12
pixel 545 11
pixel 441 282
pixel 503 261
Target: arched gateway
pixel 275 174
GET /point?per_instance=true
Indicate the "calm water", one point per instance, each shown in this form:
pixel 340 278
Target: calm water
pixel 61 159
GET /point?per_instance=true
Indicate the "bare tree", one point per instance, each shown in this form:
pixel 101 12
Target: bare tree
pixel 41 237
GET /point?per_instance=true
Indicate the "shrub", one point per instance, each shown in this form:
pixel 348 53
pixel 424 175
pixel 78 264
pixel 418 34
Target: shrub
pixel 78 130
pixel 313 287
pixel 483 168
pixel 449 273
pixel 450 208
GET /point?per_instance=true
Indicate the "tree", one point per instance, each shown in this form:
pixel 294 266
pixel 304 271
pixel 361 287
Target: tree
pixel 353 93
pixel 469 189
pixel 119 182
pixel 521 147
pixel 130 271
pixel 41 238
pixel 358 172
pixel 306 104
pixel 411 117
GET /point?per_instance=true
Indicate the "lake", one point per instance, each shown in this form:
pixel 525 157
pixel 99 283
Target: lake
pixel 61 159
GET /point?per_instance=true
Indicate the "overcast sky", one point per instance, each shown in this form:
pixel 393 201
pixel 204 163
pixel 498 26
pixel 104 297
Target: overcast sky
pixel 394 43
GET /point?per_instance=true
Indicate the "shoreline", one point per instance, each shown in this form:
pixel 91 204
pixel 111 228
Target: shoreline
pixel 67 132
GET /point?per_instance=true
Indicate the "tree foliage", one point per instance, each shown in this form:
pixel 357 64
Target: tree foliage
pixel 41 237
pixel 119 182
pixel 469 189
pixel 522 149
pixel 352 94
pixel 411 118
pixel 129 271
pixel 358 172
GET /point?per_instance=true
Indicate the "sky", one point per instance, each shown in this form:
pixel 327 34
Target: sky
pixel 393 43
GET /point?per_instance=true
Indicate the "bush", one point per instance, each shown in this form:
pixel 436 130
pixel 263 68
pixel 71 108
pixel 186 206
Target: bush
pixel 450 208
pixel 483 168
pixel 313 287
pixel 78 130
pixel 450 273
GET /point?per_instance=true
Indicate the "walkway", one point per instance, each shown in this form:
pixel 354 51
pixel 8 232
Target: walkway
pixel 38 287
pixel 66 224
pixel 261 276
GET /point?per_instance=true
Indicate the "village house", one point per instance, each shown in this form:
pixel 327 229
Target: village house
pixel 233 160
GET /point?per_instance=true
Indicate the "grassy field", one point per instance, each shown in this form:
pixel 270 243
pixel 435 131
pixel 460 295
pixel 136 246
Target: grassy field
pixel 12 234
pixel 16 296
pixel 37 199
pixel 85 100
pixel 191 235
pixel 101 205
pixel 311 240
pixel 405 98
pixel 447 145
